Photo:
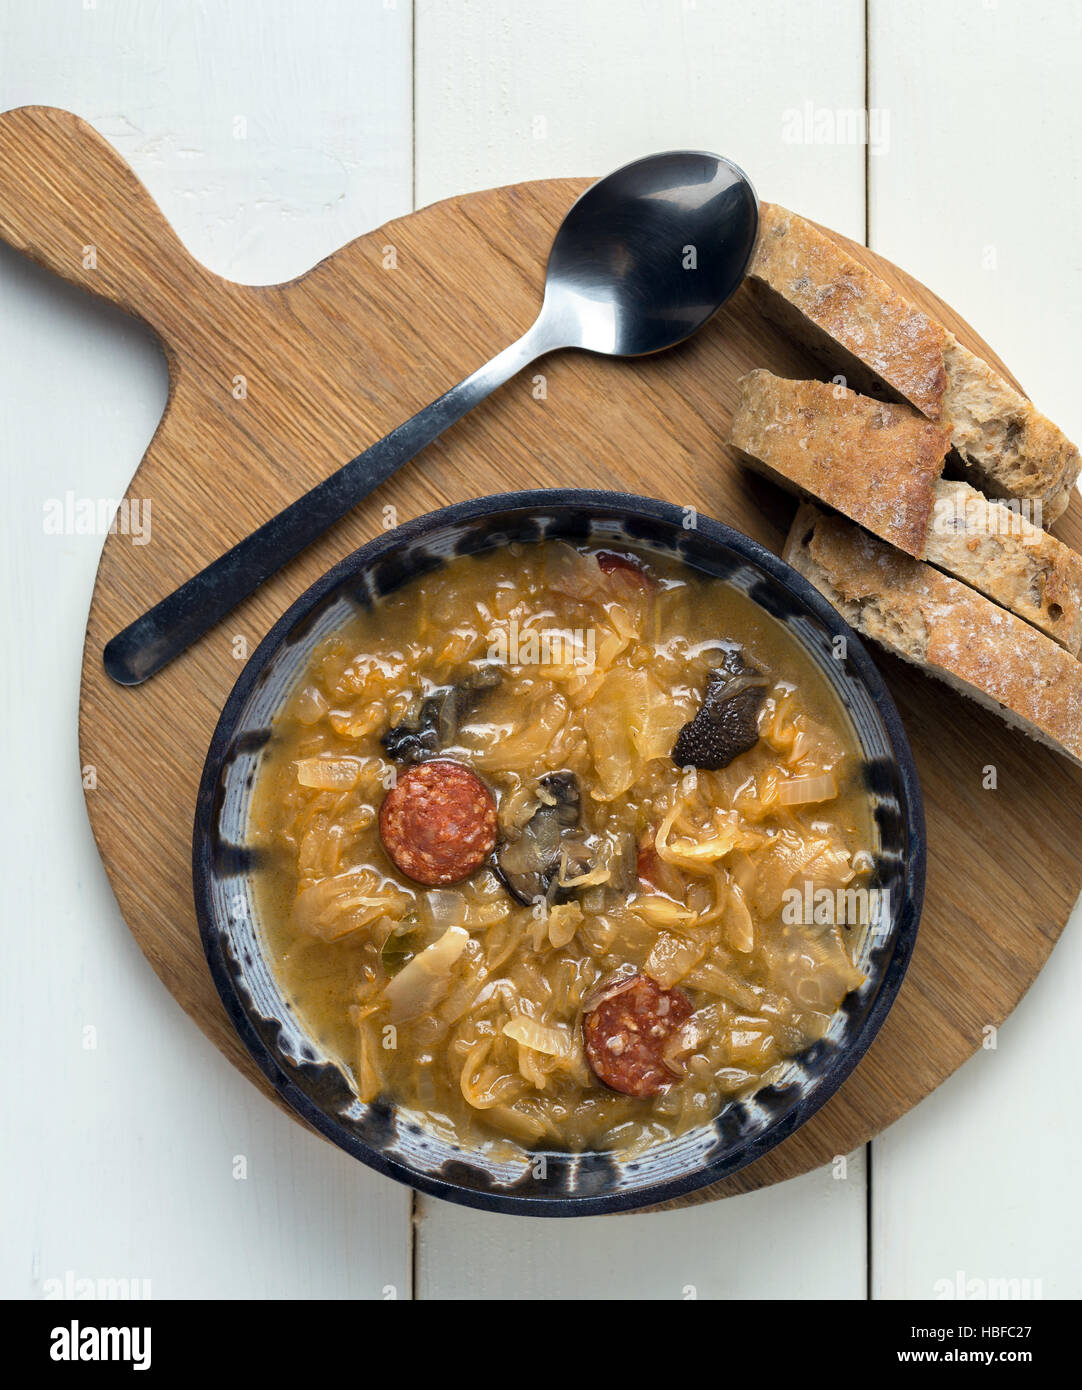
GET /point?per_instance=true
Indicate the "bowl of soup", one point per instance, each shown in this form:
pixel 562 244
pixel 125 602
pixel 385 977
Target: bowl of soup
pixel 558 853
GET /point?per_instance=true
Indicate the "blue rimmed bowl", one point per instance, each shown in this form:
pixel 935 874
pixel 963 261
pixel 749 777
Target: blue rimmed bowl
pixel 393 1141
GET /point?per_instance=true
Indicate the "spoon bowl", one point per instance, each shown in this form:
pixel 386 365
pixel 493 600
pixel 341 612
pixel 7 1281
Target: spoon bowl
pixel 648 254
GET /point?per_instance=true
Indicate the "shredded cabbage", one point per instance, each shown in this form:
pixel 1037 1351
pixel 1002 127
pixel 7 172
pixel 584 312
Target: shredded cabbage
pixel 334 907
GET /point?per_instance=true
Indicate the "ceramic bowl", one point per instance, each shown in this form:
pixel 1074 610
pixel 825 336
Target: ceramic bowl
pixel 393 1141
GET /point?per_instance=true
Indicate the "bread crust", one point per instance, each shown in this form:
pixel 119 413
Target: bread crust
pixel 943 626
pixel 843 299
pixel 855 321
pixel 1004 445
pixel 872 460
pixel 992 547
pixel 879 465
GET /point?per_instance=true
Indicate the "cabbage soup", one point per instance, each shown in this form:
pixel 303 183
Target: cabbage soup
pixel 564 847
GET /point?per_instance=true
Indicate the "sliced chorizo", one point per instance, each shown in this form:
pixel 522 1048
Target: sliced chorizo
pixel 626 567
pixel 626 1030
pixel 438 822
pixel 655 875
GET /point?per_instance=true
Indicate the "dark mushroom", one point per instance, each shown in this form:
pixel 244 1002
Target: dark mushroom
pixel 727 723
pixel 437 720
pixel 530 865
pixel 559 792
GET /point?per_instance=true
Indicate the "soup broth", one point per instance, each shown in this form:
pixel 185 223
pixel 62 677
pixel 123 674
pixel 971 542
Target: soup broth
pixel 493 892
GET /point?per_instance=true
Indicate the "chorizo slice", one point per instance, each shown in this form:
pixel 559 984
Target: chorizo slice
pixel 625 1032
pixel 628 568
pixel 655 875
pixel 438 822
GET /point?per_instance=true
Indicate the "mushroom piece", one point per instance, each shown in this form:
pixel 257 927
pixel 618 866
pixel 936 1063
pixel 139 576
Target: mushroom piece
pixel 727 723
pixel 530 865
pixel 437 721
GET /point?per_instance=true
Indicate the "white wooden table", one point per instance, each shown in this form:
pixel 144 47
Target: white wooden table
pixel 270 133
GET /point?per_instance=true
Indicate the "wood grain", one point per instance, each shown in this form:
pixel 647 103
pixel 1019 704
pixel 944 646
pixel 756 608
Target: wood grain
pixel 334 359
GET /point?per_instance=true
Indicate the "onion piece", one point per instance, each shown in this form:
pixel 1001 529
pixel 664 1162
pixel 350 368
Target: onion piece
pixel 714 979
pixel 656 908
pixel 328 774
pixel 527 1128
pixel 552 1041
pixel 692 1034
pixel 799 791
pixel 591 878
pixel 570 572
pixel 748 1045
pixel 311 705
pixel 671 957
pixel 445 907
pixel 423 982
pixel 563 920
pixel 739 926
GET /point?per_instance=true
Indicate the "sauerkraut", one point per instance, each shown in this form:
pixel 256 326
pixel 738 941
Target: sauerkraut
pixel 464 1003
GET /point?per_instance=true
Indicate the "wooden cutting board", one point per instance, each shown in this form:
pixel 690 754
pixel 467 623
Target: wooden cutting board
pixel 272 387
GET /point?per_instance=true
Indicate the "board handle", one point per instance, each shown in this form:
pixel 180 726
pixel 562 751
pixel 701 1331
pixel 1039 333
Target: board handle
pixel 70 203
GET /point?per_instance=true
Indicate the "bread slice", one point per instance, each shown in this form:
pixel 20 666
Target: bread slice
pixel 996 550
pixel 945 627
pixel 1005 446
pixel 875 462
pixel 872 335
pixel 878 464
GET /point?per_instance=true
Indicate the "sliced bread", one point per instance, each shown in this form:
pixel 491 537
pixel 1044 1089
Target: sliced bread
pixel 943 626
pixel 873 461
pixel 871 334
pixel 878 464
pixel 999 552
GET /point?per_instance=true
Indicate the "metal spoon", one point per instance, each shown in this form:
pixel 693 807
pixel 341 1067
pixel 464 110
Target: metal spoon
pixel 641 261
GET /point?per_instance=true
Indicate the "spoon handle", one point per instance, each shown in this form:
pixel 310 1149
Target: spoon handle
pixel 185 615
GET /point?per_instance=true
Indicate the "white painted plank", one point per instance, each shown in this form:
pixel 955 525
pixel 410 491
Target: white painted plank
pixel 509 92
pixel 505 93
pixel 980 1182
pixel 980 195
pixel 270 133
pixel 804 1239
pixel 117 1161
